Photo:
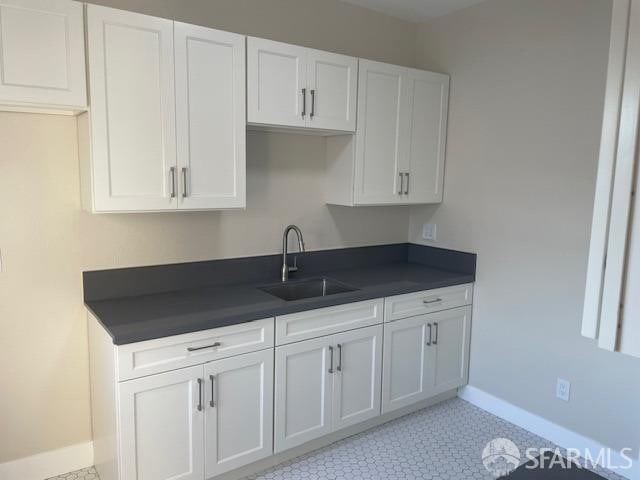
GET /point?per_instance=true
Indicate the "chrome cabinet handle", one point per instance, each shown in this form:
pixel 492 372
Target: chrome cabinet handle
pixel 406 190
pixel 172 170
pixel 313 103
pixel 331 364
pixel 401 183
pixel 213 391
pixel 339 368
pixel 184 182
pixel 435 324
pixel 195 349
pixel 304 102
pixel 429 302
pixel 199 394
pixel 430 331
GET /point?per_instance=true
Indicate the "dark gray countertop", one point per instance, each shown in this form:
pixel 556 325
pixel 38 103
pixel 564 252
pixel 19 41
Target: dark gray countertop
pixel 136 318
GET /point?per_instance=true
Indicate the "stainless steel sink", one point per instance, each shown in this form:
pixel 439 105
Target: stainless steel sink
pixel 297 290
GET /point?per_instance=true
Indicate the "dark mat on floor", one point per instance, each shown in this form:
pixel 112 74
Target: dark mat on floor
pixel 550 466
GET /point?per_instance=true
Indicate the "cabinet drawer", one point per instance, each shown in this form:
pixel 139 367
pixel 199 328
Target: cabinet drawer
pixel 326 321
pixel 163 354
pixel 418 303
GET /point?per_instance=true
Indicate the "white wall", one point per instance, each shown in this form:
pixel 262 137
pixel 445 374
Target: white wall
pixel 527 90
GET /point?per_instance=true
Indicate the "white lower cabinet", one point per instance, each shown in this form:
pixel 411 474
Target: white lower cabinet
pixel 325 384
pixel 239 413
pixel 197 422
pixel 357 380
pixel 162 426
pixel 424 356
pixel 303 392
pixel 244 400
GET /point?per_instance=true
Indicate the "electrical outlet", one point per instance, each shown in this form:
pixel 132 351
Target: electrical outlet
pixel 563 389
pixel 429 231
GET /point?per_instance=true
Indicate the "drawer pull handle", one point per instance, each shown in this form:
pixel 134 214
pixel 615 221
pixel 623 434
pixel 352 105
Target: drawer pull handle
pixel 429 302
pixel 435 324
pixel 213 390
pixel 195 349
pixel 430 332
pixel 199 394
pixel 339 368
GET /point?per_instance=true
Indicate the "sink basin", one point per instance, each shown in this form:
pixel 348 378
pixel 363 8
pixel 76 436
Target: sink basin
pixel 297 290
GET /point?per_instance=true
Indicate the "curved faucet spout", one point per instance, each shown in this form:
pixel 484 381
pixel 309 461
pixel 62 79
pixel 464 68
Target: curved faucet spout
pixel 286 269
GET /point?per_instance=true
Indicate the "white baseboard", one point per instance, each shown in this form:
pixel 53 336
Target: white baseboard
pixel 561 436
pixel 49 464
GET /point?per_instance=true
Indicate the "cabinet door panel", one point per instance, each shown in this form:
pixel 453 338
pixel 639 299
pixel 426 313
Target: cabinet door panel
pixel 428 129
pixel 210 109
pixel 333 83
pixel 132 110
pixel 358 376
pixel 276 75
pixel 380 141
pixel 405 373
pixel 161 427
pixel 303 392
pixel 450 349
pixel 239 424
pixel 42 53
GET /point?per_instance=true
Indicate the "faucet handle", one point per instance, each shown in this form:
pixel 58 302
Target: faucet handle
pixel 294 267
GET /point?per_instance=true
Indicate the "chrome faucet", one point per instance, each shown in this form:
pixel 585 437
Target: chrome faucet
pixel 286 269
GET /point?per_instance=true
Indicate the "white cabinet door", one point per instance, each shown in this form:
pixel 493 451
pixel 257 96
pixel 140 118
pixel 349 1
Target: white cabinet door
pixel 210 111
pixel 42 53
pixel 133 149
pixel 429 93
pixel 239 411
pixel 358 376
pixel 276 77
pixel 162 426
pixel 449 351
pixel 405 371
pixel 381 142
pixel 303 392
pixel 333 83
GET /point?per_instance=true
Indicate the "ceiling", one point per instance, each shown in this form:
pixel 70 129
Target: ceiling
pixel 414 10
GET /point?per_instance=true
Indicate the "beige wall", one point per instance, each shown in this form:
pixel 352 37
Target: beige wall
pixel 527 89
pixel 46 241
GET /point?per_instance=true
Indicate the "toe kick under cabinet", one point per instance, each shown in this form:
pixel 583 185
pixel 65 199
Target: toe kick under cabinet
pixel 199 405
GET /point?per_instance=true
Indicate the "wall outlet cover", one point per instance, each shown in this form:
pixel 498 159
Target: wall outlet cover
pixel 429 231
pixel 563 389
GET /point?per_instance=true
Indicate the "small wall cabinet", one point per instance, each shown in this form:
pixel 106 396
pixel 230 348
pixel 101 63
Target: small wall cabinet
pixel 42 64
pixel 291 86
pixel 398 153
pixel 166 129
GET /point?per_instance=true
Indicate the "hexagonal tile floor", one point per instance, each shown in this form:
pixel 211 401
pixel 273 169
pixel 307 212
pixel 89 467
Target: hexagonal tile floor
pixel 443 442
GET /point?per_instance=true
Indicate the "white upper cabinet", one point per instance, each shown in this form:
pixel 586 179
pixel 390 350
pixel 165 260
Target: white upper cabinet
pixel 210 112
pixel 429 105
pixel 166 129
pixel 291 86
pixel 132 120
pixel 398 154
pixel 276 83
pixel 332 81
pixel 381 140
pixel 42 60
